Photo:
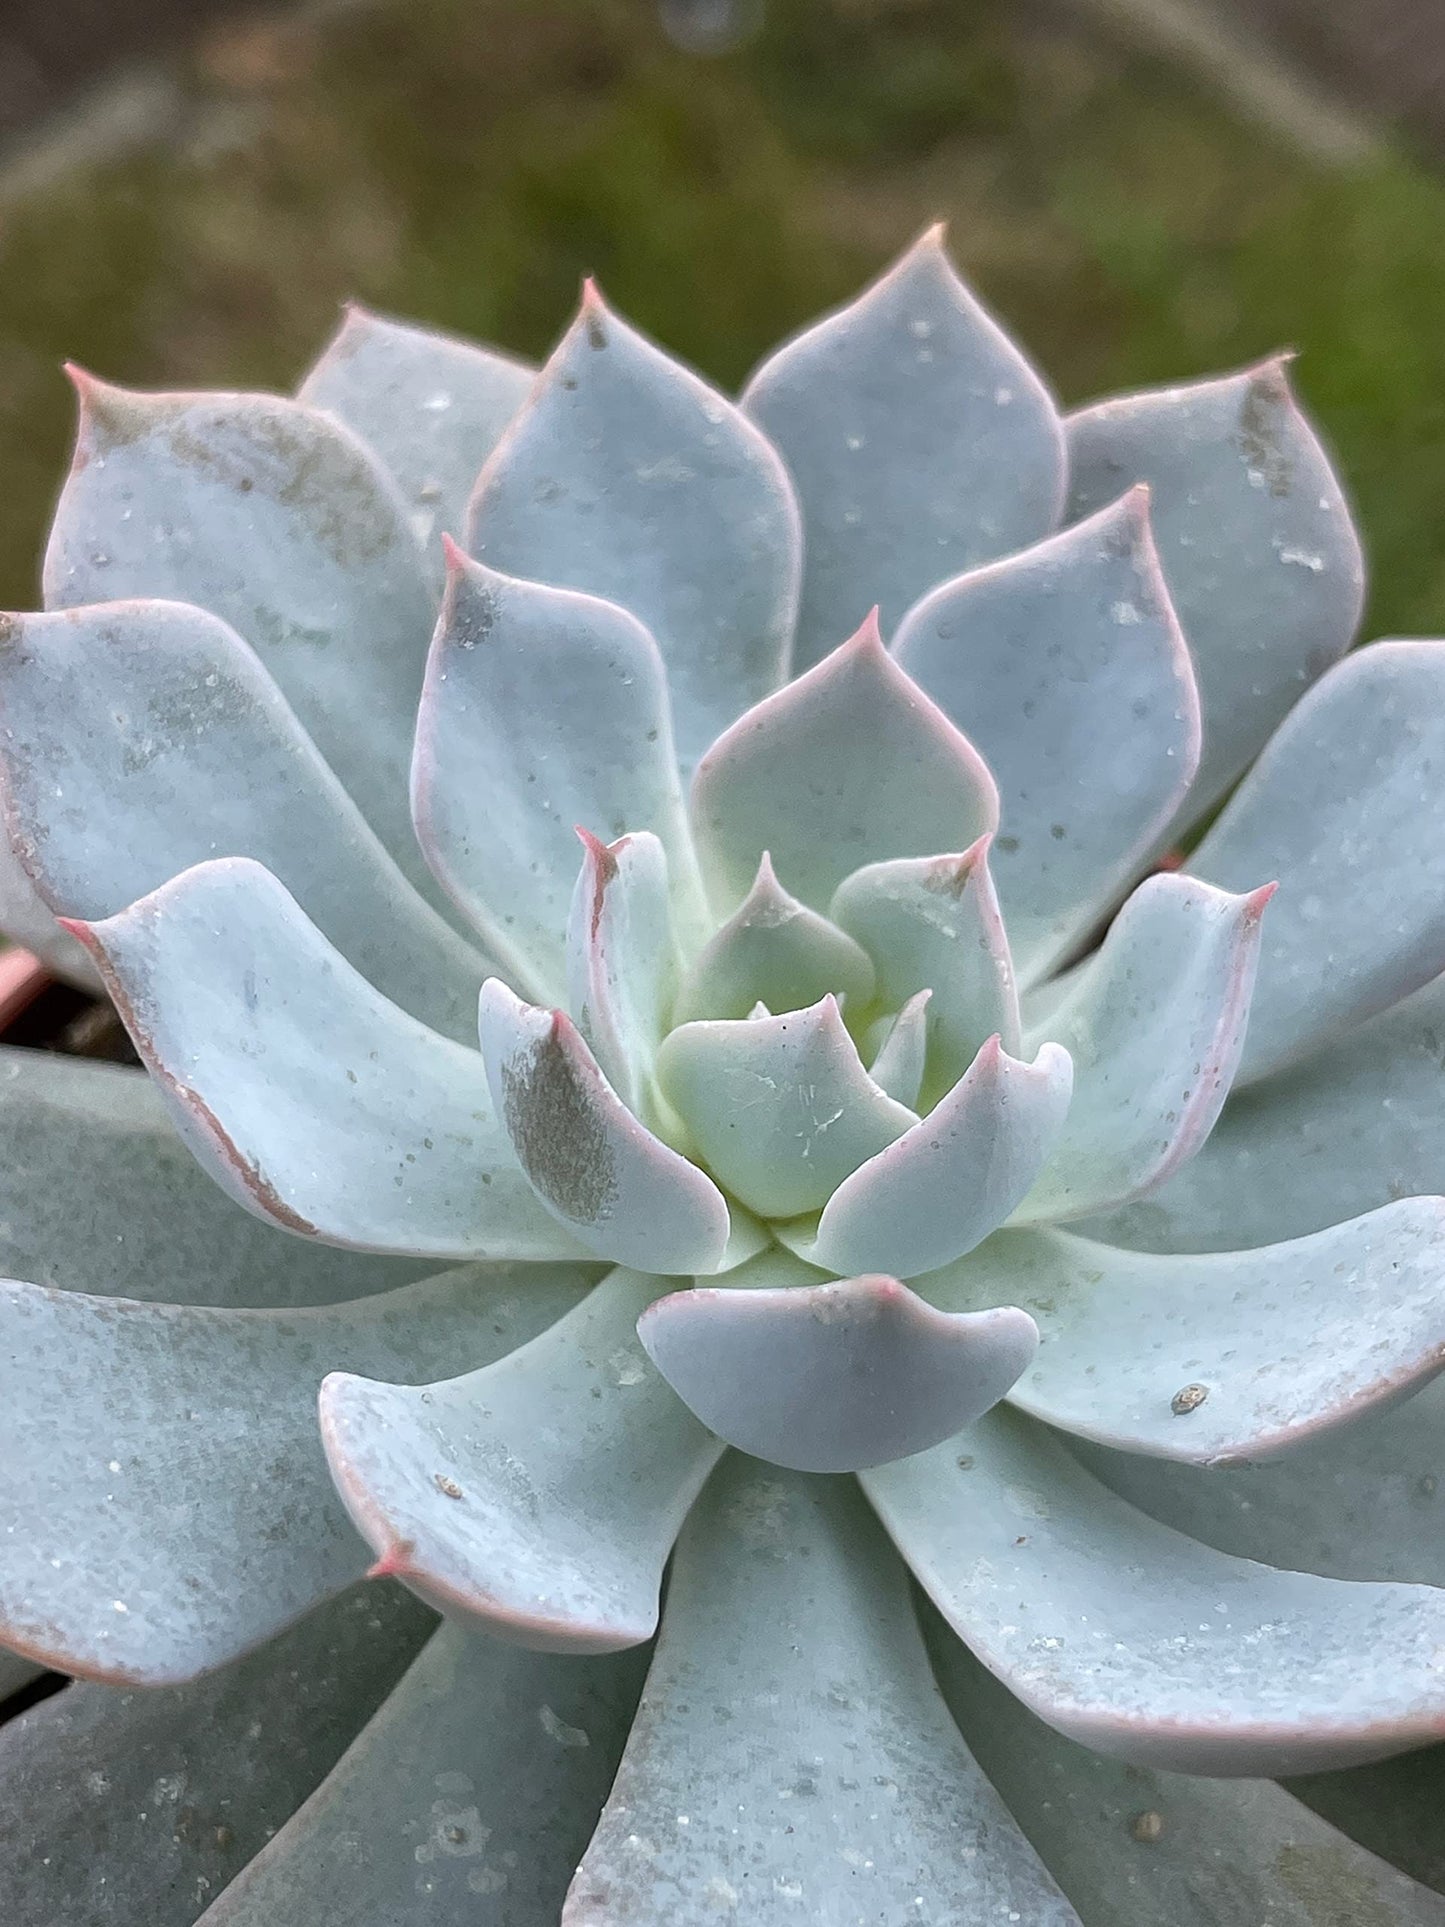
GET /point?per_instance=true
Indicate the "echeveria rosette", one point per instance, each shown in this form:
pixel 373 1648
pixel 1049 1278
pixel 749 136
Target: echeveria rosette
pixel 856 1092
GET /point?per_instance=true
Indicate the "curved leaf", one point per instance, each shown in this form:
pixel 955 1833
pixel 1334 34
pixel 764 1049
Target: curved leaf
pixel 920 440
pixel 902 1056
pixel 1067 666
pixel 626 475
pixel 28 921
pixel 621 959
pixel 538 1498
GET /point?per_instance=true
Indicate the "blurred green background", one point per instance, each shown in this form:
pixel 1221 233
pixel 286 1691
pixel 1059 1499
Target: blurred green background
pixel 466 161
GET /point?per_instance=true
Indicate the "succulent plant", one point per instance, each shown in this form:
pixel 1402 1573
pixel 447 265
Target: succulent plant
pixel 869 1091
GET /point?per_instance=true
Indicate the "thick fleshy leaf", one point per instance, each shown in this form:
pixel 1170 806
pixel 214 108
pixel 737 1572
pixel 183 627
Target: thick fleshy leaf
pixel 933 923
pixel 1351 1128
pixel 279 520
pixel 542 709
pixel 166 1502
pixel 98 1194
pixel 792 1759
pixel 271 1051
pixel 1067 667
pixel 942 1187
pixel 125 1807
pixel 621 958
pixel 624 1193
pixel 1363 1502
pixel 1254 537
pixel 1340 808
pixel 1154 1023
pixel 1133 1848
pixel 538 1498
pixel 834 1376
pixel 780 1108
pixel 903 1054
pixel 850 764
pixel 629 477
pixel 1390 1808
pixel 775 951
pixel 920 440
pixel 140 738
pixel 510 1754
pixel 1228 1356
pixel 433 407
pixel 28 921
pixel 1144 1644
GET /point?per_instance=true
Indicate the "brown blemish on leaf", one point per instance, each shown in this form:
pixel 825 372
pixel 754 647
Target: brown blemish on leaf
pixel 553 1122
pixel 1262 414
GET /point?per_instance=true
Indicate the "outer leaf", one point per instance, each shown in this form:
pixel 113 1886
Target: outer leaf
pixel 1067 666
pixel 781 1108
pixel 833 1376
pixel 1389 1808
pixel 138 1806
pixel 516 1751
pixel 1340 809
pixel 933 924
pixel 1359 1503
pixel 167 1504
pixel 1146 1645
pixel 775 951
pixel 1155 1024
pixel 98 1194
pixel 268 1046
pixel 1349 1129
pixel 432 407
pixel 624 1193
pixel 1236 1355
pixel 942 1187
pixel 621 959
pixel 1254 536
pixel 29 923
pixel 279 520
pixel 789 1700
pixel 1133 1848
pixel 538 1498
pixel 789 777
pixel 542 710
pixel 139 738
pixel 627 476
pixel 920 440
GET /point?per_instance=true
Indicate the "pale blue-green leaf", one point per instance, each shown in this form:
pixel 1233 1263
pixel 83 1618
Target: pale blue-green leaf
pixel 1155 1023
pixel 1355 1126
pixel 98 1194
pixel 622 1192
pixel 29 922
pixel 628 476
pixel 1254 537
pixel 1363 1502
pixel 835 1376
pixel 933 923
pixel 850 764
pixel 942 1187
pixel 919 438
pixel 129 1808
pixel 1340 808
pixel 1066 665
pixel 432 406
pixel 538 1498
pixel 1144 1644
pixel 469 1798
pixel 622 959
pixel 1228 1356
pixel 792 1760
pixel 279 520
pixel 776 952
pixel 780 1108
pixel 1134 1848
pixel 903 1053
pixel 140 738
pixel 542 709
pixel 167 1504
pixel 307 1096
